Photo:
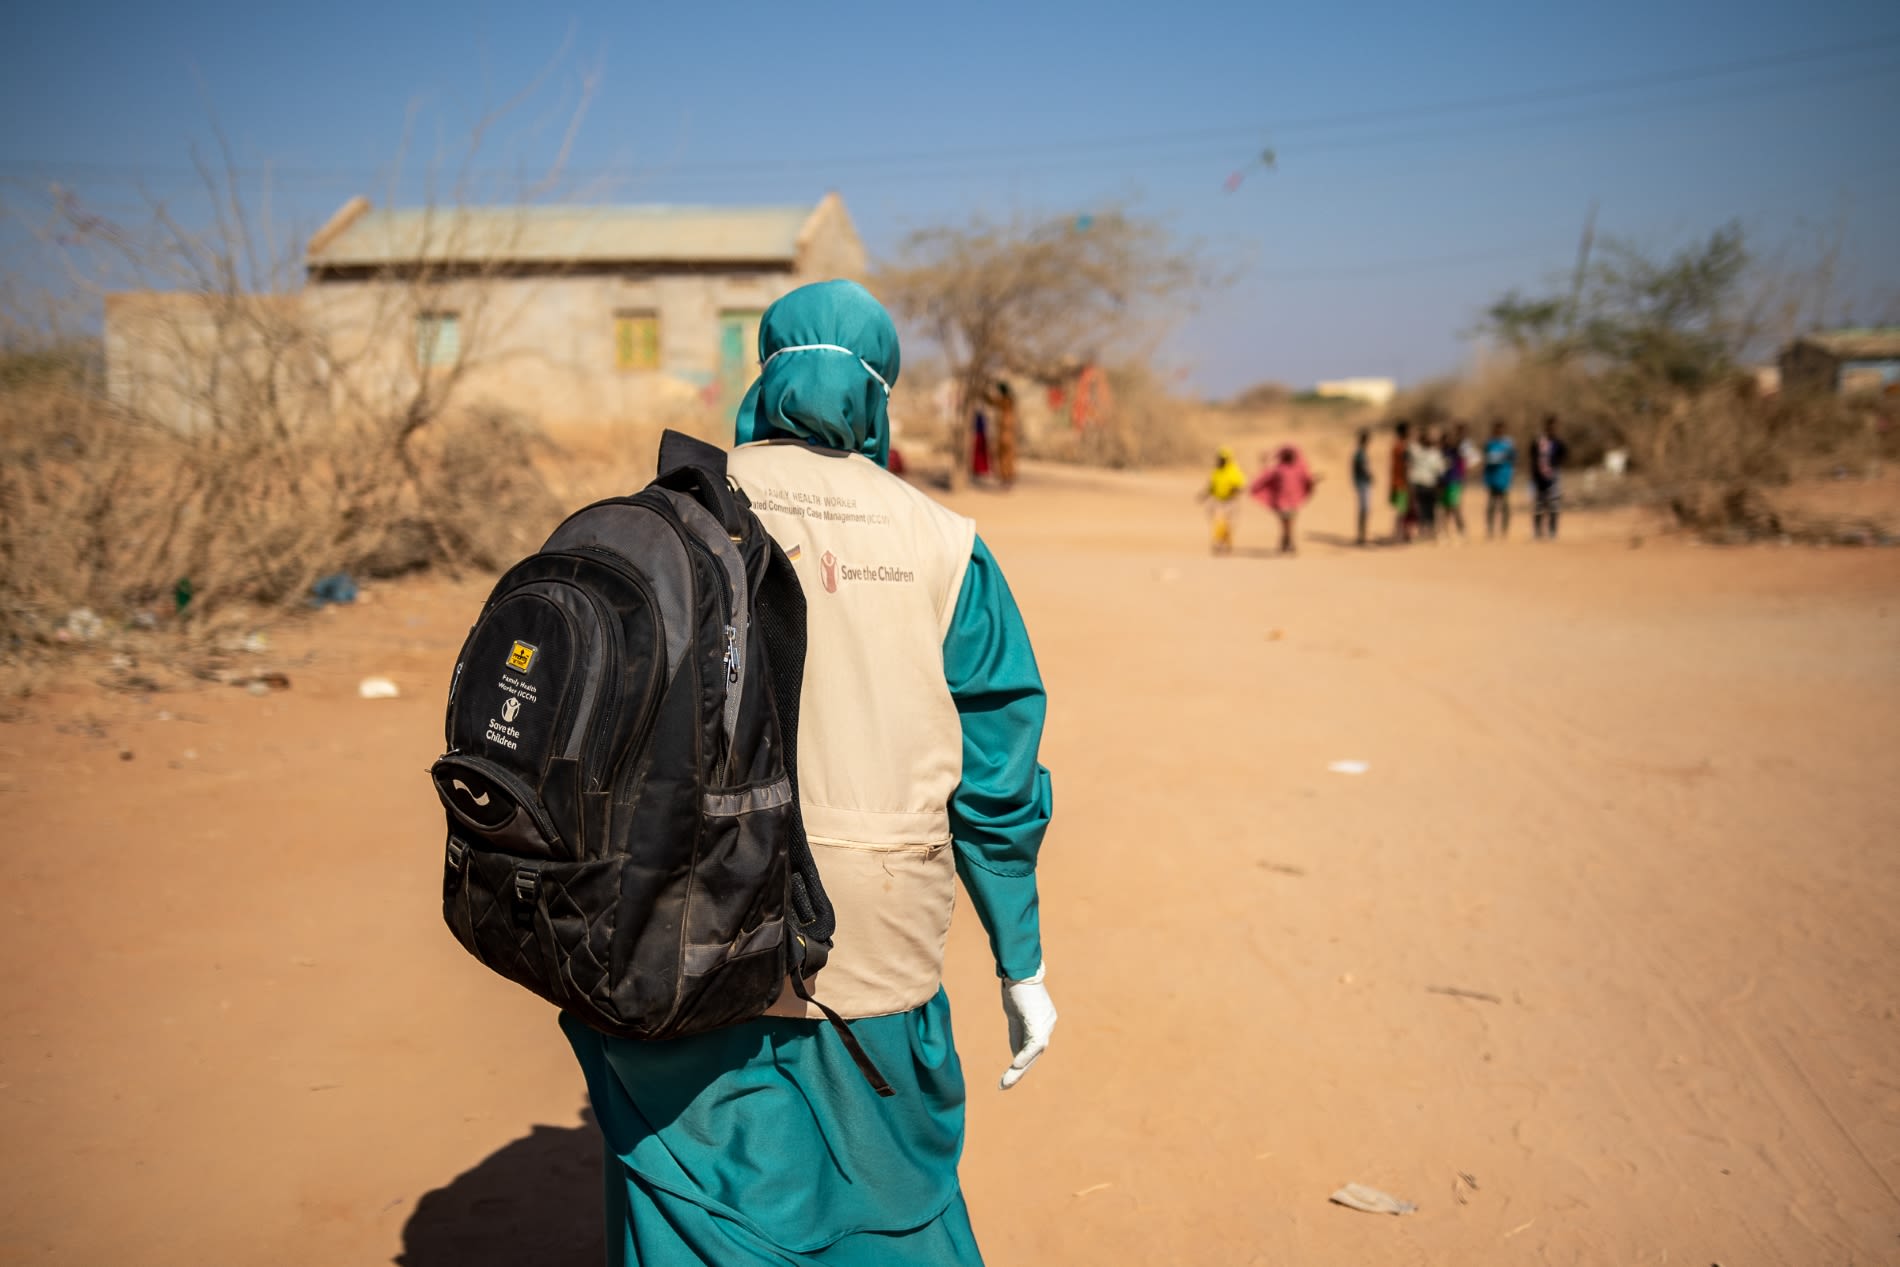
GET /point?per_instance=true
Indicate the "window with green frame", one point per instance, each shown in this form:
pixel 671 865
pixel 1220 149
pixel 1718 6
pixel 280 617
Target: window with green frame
pixel 438 340
pixel 637 340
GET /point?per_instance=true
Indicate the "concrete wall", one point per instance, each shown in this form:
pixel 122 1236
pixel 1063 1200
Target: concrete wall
pixel 542 346
pixel 195 361
pixel 1371 391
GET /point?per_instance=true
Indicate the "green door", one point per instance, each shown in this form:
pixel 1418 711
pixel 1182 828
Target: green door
pixel 738 354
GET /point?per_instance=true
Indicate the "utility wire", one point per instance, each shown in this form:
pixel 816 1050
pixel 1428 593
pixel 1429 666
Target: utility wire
pixel 1199 147
pixel 1417 264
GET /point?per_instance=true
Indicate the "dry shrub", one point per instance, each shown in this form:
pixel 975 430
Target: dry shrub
pixel 1144 426
pixel 103 509
pixel 1265 396
pixel 1520 395
pixel 480 499
pixel 1737 514
pixel 583 464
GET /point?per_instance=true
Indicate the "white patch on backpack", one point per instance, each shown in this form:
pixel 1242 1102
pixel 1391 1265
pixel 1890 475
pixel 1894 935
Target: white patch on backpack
pixel 523 691
pixel 519 693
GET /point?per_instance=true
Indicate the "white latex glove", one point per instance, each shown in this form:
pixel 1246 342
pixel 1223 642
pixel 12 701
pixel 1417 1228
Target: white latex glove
pixel 1032 1017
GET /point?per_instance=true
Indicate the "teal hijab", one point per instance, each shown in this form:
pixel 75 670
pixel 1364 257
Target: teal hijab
pixel 823 350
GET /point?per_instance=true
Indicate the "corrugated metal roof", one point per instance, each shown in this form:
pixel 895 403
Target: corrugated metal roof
pixel 565 235
pixel 1864 344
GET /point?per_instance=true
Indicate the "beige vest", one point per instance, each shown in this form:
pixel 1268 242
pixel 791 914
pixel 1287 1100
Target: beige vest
pixel 880 749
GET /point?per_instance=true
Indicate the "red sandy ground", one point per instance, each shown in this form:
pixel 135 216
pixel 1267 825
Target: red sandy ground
pixel 1644 797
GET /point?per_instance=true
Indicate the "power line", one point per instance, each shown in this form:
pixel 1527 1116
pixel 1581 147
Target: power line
pixel 1416 264
pixel 1222 158
pixel 1613 110
pixel 1656 79
pixel 1260 132
pixel 1072 154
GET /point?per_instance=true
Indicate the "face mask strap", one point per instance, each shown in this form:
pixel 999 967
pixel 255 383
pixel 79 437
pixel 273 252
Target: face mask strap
pixel 828 347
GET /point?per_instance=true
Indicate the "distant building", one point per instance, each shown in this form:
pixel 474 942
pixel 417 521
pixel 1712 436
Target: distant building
pixel 1856 360
pixel 1371 391
pixel 566 314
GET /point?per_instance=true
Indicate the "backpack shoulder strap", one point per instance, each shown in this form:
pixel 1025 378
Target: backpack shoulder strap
pixel 780 613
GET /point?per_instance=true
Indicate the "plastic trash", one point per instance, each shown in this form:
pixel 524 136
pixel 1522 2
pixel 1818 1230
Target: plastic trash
pixel 334 588
pixel 377 688
pixel 81 625
pixel 1356 1196
pixel 260 683
pixel 1350 767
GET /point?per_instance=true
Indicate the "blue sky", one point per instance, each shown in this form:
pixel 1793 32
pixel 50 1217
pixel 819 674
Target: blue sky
pixel 1428 156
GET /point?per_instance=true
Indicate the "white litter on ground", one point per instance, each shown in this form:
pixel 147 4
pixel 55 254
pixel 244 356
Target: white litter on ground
pixel 377 688
pixel 1356 1196
pixel 1350 767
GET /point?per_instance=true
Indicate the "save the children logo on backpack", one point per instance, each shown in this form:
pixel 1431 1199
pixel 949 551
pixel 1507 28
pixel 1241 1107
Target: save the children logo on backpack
pixel 519 690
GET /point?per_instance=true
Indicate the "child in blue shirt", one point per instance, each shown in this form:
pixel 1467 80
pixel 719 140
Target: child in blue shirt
pixel 1500 464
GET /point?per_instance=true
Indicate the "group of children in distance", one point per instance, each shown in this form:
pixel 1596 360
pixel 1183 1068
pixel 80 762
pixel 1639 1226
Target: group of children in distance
pixel 1427 476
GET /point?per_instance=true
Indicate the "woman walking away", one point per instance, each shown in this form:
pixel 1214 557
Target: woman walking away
pixel 762 1143
pixel 1003 403
pixel 980 446
pixel 1500 465
pixel 1224 487
pixel 1283 488
pixel 1362 480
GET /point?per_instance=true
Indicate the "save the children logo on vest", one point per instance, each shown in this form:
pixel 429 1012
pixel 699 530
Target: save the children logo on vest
pixel 510 709
pixel 835 572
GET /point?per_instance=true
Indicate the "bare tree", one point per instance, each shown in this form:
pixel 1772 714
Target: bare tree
pixel 258 431
pixel 1037 299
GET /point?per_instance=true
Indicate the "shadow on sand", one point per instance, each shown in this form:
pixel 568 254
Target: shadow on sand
pixel 1344 542
pixel 537 1200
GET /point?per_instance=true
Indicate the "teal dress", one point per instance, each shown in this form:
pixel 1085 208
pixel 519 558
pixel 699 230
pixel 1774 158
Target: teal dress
pixel 762 1143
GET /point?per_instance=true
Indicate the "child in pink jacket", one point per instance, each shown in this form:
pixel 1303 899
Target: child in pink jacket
pixel 1283 488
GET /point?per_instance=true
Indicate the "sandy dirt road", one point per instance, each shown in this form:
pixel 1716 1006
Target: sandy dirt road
pixel 1645 799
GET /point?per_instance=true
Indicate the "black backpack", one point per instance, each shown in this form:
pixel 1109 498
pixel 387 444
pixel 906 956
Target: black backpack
pixel 621 777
